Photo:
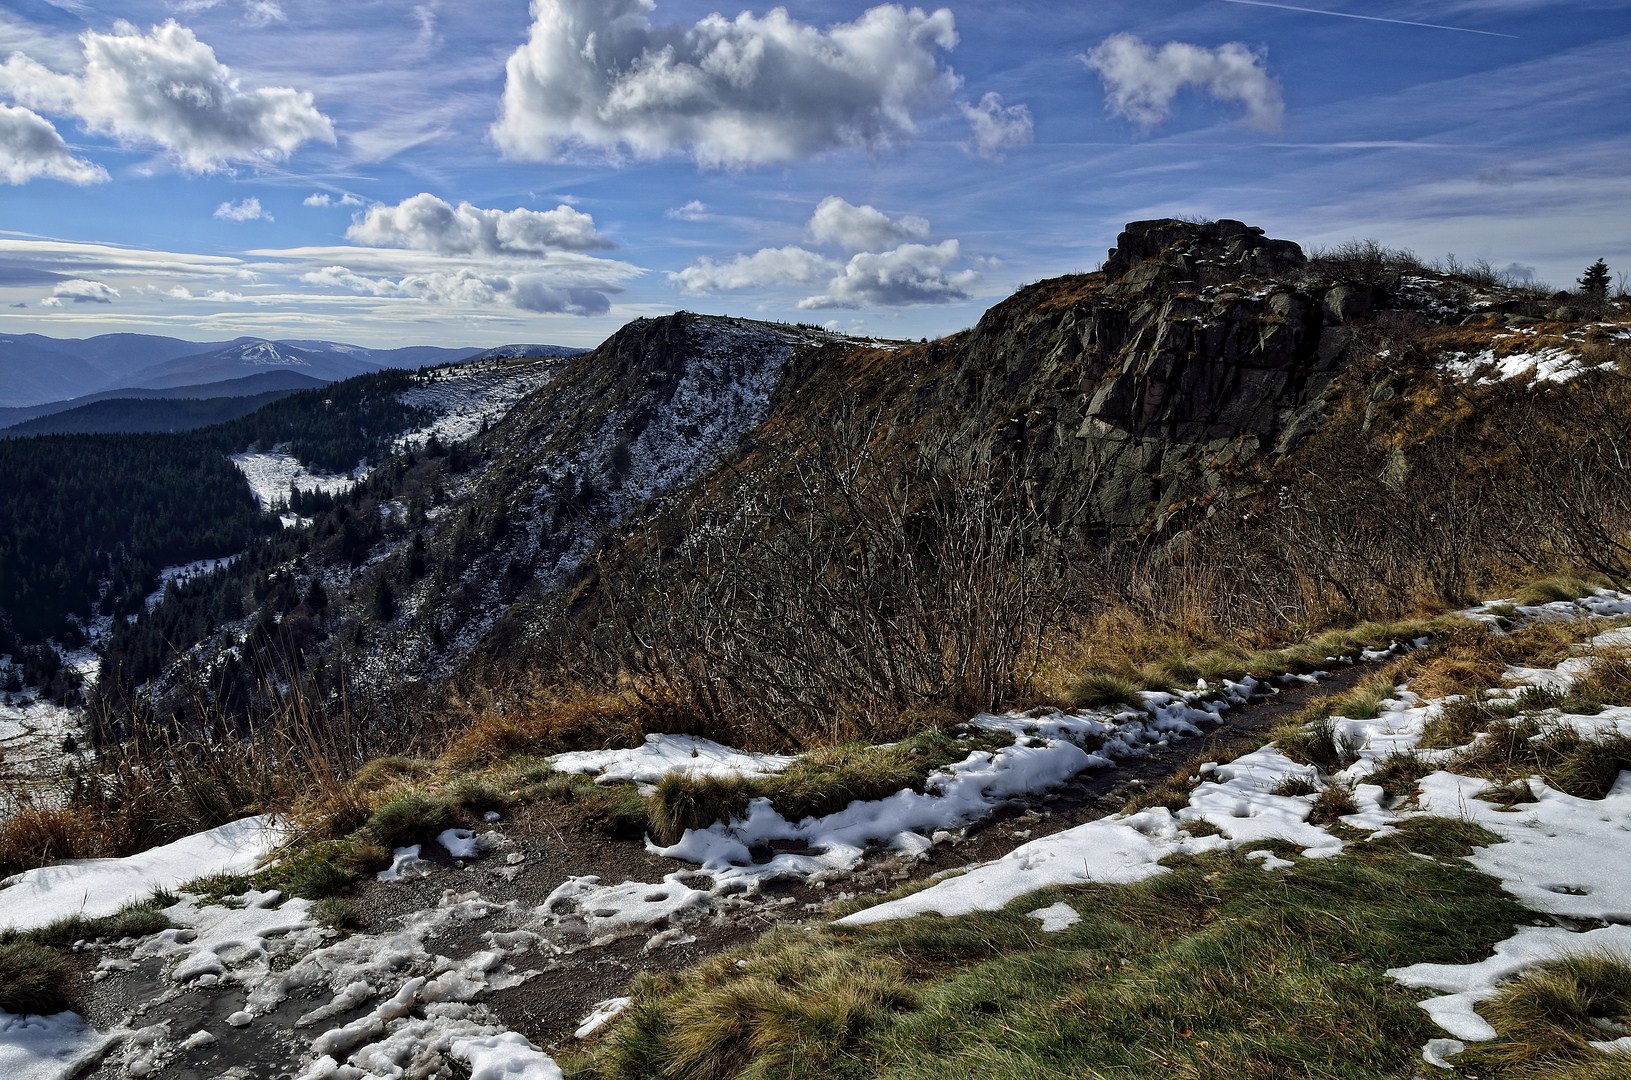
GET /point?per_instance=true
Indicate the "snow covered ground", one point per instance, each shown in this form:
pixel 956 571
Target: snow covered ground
pixel 97 887
pixel 1560 855
pixel 467 397
pixel 271 476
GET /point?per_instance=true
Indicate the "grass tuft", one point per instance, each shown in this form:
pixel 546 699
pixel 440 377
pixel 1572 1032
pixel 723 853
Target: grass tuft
pixel 33 979
pixel 1547 1017
pixel 1317 743
pixel 408 818
pixel 1334 803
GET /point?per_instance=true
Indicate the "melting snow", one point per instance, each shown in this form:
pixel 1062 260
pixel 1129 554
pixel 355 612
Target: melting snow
pixel 664 754
pixel 96 887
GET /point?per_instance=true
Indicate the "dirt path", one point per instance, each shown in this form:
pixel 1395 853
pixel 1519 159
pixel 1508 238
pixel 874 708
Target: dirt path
pixel 567 969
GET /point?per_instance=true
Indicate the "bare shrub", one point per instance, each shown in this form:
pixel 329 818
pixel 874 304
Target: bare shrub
pixel 820 602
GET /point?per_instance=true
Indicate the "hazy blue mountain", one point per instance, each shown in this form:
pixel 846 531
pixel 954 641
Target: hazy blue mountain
pixel 126 416
pixel 324 360
pixel 249 385
pixel 36 369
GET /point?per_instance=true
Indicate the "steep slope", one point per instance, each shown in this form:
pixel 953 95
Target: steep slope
pixel 615 519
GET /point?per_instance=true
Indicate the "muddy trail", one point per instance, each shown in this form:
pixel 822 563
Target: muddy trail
pixel 517 938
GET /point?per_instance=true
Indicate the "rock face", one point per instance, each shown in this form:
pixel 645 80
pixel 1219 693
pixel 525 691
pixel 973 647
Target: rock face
pixel 1192 248
pixel 1118 403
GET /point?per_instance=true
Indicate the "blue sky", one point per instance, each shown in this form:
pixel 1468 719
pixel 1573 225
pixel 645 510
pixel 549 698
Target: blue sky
pixel 452 172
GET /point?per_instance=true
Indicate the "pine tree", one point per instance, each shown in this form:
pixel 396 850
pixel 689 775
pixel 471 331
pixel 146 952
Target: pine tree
pixel 1594 282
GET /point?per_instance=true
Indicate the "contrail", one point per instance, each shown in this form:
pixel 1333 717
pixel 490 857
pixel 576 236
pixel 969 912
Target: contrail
pixel 1368 18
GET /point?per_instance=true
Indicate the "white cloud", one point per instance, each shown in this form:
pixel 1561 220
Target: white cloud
pixel 599 74
pixel 31 147
pixel 247 210
pixel 695 210
pixel 262 12
pixel 468 287
pixel 1140 81
pixel 323 198
pixel 862 228
pixel 425 223
pixel 771 266
pixel 166 88
pixel 257 13
pixel 81 291
pixel 997 128
pixel 217 296
pixel 910 274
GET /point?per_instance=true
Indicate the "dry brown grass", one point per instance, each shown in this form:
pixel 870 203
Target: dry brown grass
pixel 552 720
pixel 36 835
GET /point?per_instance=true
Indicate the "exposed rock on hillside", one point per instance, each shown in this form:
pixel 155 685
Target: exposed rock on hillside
pixel 1119 403
pixel 1116 397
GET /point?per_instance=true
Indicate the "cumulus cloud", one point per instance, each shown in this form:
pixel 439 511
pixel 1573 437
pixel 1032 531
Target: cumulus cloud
pixel 599 74
pixel 770 266
pixel 80 291
pixel 426 223
pixel 166 88
pixel 247 210
pixel 323 198
pixel 469 287
pixel 910 274
pixel 31 147
pixel 1140 80
pixel 997 128
pixel 862 228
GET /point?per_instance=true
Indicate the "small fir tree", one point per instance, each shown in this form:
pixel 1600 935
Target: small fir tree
pixel 1594 282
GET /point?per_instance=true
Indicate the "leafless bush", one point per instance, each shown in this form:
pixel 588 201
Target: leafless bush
pixel 1362 263
pixel 826 599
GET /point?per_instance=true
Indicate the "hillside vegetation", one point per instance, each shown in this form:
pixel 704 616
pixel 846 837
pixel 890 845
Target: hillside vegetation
pixel 1216 462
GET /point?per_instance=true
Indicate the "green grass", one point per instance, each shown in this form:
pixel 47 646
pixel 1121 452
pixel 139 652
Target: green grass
pixel 138 919
pixel 1214 969
pixel 1163 662
pixel 1560 587
pixel 33 979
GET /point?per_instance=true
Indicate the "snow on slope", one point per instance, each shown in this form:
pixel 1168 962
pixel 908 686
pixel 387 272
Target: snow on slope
pixel 467 397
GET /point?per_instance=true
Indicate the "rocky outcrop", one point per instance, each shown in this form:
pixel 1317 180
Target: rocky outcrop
pixel 1119 401
pixel 1193 249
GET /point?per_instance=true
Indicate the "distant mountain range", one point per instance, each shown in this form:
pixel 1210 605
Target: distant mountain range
pixel 37 371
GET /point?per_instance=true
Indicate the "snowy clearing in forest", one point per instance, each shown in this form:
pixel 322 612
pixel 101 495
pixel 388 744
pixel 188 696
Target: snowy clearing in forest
pixel 271 476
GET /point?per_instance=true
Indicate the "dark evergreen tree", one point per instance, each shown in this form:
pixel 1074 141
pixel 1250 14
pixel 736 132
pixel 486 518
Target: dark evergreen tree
pixel 1594 283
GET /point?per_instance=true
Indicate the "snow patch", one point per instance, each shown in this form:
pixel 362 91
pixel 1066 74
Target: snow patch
pixel 97 887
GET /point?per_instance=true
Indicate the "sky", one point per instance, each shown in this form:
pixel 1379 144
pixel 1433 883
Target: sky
pixel 391 172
